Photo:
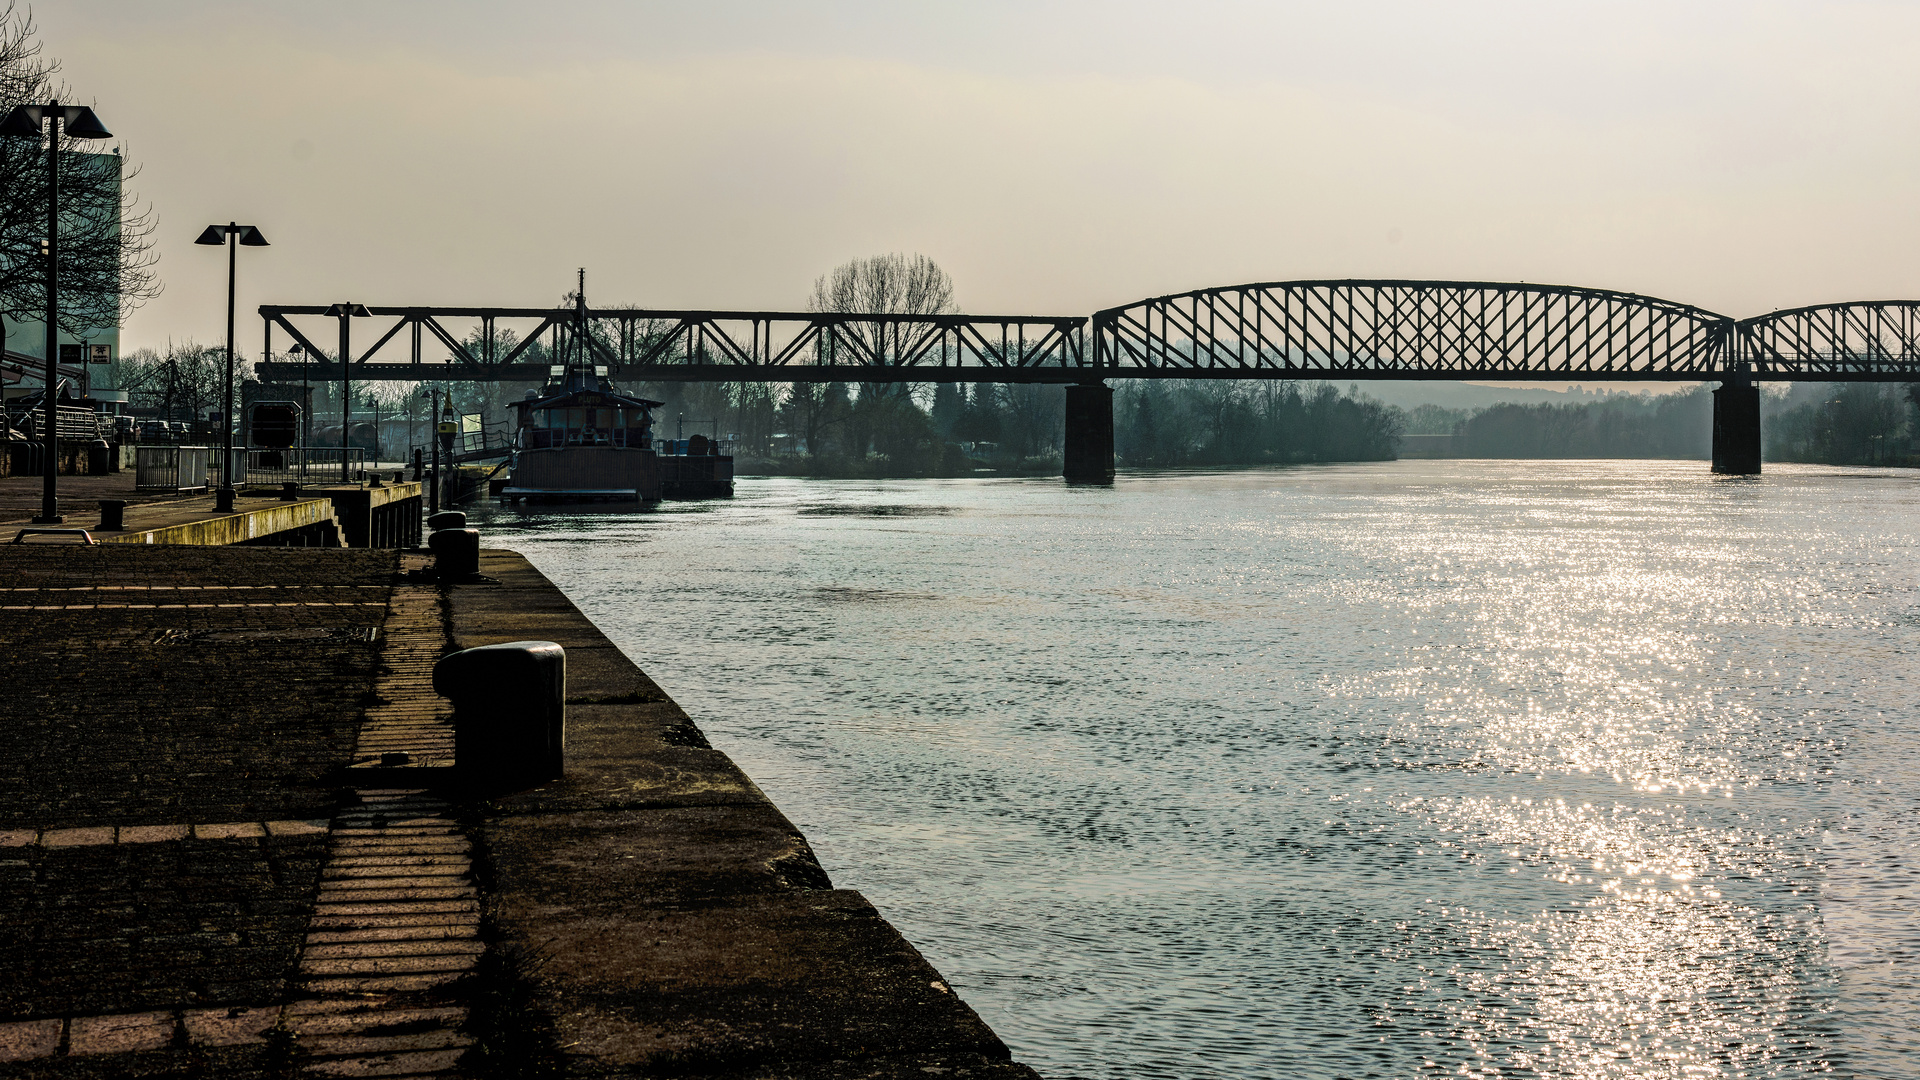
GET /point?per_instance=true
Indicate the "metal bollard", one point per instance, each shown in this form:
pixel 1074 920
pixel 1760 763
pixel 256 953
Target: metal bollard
pixel 113 514
pixel 509 713
pixel 456 552
pixel 289 491
pixel 447 519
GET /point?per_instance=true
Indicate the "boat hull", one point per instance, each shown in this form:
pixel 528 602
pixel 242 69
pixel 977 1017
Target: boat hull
pixel 580 473
pixel 708 476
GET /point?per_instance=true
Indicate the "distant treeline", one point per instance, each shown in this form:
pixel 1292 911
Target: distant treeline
pixel 1821 423
pixel 1617 426
pixel 1163 423
pixel 1843 424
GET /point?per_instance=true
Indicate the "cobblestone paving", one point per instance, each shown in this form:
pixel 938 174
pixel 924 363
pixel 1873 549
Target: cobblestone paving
pixel 127 927
pixel 119 711
pixel 182 896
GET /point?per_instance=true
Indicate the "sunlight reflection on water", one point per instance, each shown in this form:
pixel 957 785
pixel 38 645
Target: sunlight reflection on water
pixel 1586 769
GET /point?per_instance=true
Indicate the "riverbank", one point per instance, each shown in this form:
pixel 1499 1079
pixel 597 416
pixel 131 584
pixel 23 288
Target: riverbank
pixel 195 881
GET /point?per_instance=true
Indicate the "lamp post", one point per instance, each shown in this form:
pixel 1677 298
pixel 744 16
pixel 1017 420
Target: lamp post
pixel 306 406
pixel 80 123
pixel 233 237
pixel 346 313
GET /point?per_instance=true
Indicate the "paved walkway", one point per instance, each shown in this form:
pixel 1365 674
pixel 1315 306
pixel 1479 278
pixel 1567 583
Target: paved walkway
pixel 184 886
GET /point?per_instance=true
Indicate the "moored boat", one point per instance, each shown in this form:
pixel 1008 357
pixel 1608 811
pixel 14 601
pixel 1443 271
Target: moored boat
pixel 581 439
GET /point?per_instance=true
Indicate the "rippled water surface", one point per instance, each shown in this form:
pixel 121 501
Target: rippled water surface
pixel 1584 769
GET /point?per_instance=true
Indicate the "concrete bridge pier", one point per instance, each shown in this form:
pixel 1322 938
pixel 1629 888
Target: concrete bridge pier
pixel 1736 429
pixel 1089 434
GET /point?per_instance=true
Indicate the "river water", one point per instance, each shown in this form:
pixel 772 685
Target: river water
pixel 1582 769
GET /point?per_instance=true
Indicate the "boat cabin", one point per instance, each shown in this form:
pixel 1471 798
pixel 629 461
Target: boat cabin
pixel 596 416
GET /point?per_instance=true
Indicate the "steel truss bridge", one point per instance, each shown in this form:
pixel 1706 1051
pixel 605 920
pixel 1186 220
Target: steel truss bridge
pixel 1344 330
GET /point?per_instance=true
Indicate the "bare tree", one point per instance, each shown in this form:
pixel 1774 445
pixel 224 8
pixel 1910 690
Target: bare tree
pixel 893 284
pixel 107 253
pixel 180 384
pixel 885 285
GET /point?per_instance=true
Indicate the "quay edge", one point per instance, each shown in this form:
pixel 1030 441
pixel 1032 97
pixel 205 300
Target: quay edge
pixel 662 916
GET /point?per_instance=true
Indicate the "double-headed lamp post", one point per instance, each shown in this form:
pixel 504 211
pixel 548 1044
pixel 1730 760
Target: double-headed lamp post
pixel 79 123
pixel 232 236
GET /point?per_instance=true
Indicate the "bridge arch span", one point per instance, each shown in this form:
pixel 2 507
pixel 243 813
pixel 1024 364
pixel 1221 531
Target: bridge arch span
pixel 1859 340
pixel 1410 329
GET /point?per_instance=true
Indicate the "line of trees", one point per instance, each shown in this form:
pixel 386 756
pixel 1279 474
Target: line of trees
pixel 1230 422
pixel 1843 424
pixel 1618 426
pixel 1819 423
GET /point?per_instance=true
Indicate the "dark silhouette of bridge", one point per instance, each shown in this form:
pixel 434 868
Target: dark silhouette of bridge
pixel 1349 330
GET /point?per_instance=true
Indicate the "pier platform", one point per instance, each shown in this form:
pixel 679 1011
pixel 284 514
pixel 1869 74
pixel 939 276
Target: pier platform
pixel 213 863
pixel 320 515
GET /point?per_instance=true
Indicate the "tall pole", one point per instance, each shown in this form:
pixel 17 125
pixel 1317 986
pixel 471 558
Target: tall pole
pixel 223 499
pixel 306 412
pixel 346 389
pixel 50 409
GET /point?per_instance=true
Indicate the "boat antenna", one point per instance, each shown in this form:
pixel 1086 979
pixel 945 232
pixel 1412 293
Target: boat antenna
pixel 580 317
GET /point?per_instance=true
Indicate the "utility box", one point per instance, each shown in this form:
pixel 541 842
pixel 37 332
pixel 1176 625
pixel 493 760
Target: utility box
pixel 509 713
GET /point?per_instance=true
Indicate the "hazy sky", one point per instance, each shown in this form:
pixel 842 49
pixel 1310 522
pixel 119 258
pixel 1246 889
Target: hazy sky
pixel 1054 157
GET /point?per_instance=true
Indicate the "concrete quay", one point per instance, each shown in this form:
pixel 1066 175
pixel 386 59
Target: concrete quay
pixel 325 515
pixel 211 863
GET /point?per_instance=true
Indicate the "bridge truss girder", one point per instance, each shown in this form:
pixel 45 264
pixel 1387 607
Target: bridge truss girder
pixel 1413 330
pixel 1868 340
pixel 731 346
pixel 1344 330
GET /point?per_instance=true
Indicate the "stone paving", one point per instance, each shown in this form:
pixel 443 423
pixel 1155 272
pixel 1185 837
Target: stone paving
pixel 182 889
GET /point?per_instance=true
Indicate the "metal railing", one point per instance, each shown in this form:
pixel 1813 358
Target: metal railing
pixel 318 464
pixel 679 447
pixel 75 424
pixel 170 468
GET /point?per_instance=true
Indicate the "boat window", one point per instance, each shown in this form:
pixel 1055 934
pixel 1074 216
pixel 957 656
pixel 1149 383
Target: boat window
pixel 614 425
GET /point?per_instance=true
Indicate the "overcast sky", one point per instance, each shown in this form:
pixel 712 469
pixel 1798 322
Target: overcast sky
pixel 1054 157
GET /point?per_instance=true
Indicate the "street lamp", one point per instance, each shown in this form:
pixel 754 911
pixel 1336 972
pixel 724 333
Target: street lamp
pixel 306 406
pixel 80 123
pixel 233 236
pixel 346 313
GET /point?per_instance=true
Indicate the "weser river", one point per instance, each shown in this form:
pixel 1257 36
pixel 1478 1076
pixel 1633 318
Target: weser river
pixel 1572 769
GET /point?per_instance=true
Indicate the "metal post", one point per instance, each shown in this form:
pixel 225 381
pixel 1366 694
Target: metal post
pixel 223 498
pixel 49 494
pixel 306 411
pixel 346 388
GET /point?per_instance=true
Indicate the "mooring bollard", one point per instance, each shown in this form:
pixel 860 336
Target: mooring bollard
pixel 289 491
pixel 509 712
pixel 447 519
pixel 113 514
pixel 456 552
